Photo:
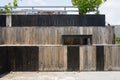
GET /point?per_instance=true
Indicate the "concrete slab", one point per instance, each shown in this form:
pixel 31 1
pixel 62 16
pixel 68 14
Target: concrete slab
pixel 62 76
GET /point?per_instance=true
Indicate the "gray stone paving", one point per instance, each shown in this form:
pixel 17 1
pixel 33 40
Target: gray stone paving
pixel 62 76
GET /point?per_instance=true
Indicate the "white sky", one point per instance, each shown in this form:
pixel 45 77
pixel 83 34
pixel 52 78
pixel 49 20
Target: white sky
pixel 111 8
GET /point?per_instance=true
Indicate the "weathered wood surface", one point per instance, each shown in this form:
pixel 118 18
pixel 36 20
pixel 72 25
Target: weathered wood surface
pixel 103 35
pixel 53 35
pixel 87 58
pixel 53 58
pixel 108 52
pixel 112 58
pixel 8 21
pixel 100 58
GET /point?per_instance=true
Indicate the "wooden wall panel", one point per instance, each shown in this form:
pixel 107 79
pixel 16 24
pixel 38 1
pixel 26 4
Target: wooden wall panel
pixel 53 35
pixel 9 37
pixel 3 37
pixel 56 20
pixel 52 58
pixel 108 52
pixel 116 58
pixel 87 58
pixel 4 61
pixel 103 35
pixel 23 58
pixel 73 58
pixel 112 60
pixel 60 32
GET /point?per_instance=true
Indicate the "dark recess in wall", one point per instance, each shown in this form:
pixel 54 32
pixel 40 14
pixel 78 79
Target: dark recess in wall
pixel 73 58
pixel 2 20
pixel 100 58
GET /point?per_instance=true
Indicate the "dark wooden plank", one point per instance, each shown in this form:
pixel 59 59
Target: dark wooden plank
pixel 100 58
pixel 2 20
pixel 4 60
pixel 24 58
pixel 32 61
pixel 11 57
pixel 58 20
pixel 73 58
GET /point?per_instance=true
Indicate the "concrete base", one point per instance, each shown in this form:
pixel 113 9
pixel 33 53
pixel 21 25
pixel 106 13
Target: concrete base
pixel 62 76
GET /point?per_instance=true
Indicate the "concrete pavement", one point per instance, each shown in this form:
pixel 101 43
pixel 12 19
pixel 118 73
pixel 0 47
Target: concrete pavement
pixel 62 76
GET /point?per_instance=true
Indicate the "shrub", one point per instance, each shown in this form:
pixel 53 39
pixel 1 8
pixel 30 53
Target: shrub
pixel 117 39
pixel 86 6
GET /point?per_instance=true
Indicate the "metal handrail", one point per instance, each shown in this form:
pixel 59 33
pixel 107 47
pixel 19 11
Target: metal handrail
pixel 33 9
pixel 41 7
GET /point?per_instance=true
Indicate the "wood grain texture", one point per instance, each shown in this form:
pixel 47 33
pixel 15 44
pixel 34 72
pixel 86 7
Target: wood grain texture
pixel 87 58
pixel 108 52
pixel 116 58
pixel 53 35
pixel 23 58
pixel 4 61
pixel 103 35
pixel 112 60
pixel 52 58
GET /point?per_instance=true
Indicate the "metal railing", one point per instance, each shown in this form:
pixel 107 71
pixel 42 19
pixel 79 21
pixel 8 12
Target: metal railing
pixel 41 10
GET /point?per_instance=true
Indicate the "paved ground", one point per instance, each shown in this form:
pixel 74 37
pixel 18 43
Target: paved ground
pixel 62 76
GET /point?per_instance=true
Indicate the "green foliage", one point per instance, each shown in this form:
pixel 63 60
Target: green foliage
pixel 117 39
pixel 86 6
pixel 1 10
pixel 15 3
pixel 8 7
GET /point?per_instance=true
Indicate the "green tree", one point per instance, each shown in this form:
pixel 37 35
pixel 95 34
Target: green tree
pixel 8 7
pixel 86 6
pixel 117 39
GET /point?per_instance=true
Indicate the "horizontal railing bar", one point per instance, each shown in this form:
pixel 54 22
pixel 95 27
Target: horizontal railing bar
pixel 41 7
pixel 50 10
pixel 29 9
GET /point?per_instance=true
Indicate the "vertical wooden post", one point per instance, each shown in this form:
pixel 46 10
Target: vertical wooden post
pixel 8 20
pixel 88 41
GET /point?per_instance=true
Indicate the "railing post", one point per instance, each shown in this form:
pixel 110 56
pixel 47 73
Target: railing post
pixel 32 10
pixel 65 10
pixel 8 20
